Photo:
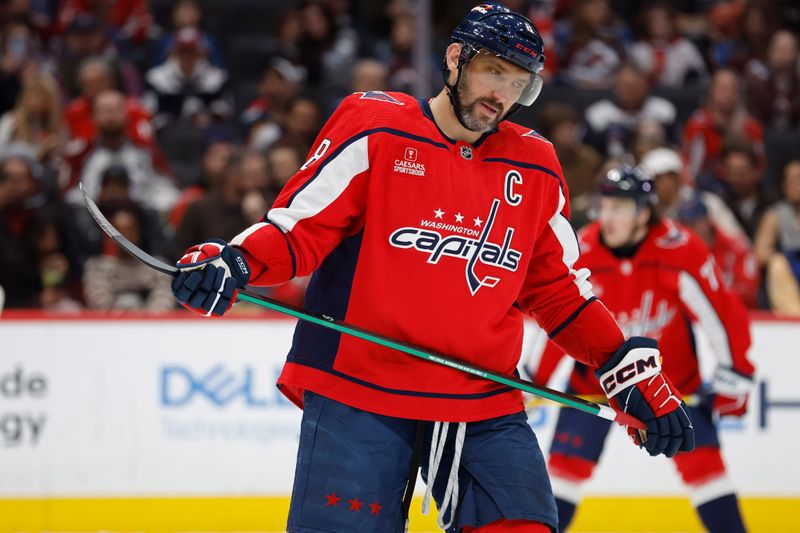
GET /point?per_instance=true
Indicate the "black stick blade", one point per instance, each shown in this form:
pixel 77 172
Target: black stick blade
pixel 124 243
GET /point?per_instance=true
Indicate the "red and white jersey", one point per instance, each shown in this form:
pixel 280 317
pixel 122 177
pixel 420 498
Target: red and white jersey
pixel 428 240
pixel 669 283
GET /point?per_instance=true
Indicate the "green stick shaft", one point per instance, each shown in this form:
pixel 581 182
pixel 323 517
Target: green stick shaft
pixel 603 411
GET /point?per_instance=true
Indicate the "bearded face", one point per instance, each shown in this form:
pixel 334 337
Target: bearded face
pixel 479 113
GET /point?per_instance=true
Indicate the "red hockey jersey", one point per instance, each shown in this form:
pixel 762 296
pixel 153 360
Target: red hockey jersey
pixel 670 282
pixel 428 240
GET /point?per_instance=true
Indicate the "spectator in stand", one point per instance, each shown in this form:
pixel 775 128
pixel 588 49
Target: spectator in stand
pixel 722 31
pixel 20 55
pixel 327 48
pixel 559 123
pixel 254 181
pixel 298 127
pixel 779 230
pixel 115 281
pixel 777 245
pixel 56 268
pixel 302 124
pixel 666 57
pixel 722 116
pixel 738 265
pixel 36 119
pixel 34 231
pixel 187 88
pixel 668 171
pixel 35 14
pixel 86 161
pixel 129 20
pixel 745 48
pixel 592 45
pixel 612 122
pixel 286 42
pixel 279 86
pixel 283 163
pixel 649 135
pixel 397 54
pixel 219 211
pixel 745 193
pixel 217 153
pixel 188 14
pixel 86 38
pixel 773 93
pixel 115 189
pixel 369 75
pixel 95 76
pixel 20 196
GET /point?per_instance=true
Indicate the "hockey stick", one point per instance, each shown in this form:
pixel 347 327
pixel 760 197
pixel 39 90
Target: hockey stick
pixel 603 411
pixel 691 400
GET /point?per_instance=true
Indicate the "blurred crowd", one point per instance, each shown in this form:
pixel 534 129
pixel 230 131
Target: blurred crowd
pixel 183 120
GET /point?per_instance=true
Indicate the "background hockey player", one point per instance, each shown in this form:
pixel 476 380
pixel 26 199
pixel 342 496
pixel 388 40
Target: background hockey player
pixel 438 223
pixel 656 278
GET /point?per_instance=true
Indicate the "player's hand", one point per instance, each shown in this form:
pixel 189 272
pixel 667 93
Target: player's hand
pixel 210 276
pixel 634 383
pixel 729 392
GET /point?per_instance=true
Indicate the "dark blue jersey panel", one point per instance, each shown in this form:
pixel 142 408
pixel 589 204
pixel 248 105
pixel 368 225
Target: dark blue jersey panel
pixel 328 293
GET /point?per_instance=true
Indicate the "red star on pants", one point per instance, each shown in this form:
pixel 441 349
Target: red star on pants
pixel 355 505
pixel 333 500
pixel 376 509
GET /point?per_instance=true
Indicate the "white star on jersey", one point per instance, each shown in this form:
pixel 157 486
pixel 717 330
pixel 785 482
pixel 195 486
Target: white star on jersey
pixel 438 213
pixel 459 217
pixel 477 221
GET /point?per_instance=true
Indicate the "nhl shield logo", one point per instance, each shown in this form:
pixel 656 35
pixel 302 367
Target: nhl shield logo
pixel 466 152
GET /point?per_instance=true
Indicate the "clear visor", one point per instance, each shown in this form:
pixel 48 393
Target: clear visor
pixel 512 87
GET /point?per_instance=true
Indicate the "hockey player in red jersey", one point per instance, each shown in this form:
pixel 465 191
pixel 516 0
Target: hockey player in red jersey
pixel 656 278
pixel 439 223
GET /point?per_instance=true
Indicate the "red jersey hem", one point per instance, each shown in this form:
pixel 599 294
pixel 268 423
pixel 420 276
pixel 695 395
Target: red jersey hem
pixel 294 379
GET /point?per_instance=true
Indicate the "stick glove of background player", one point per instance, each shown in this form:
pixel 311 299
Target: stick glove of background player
pixel 727 393
pixel 633 381
pixel 210 276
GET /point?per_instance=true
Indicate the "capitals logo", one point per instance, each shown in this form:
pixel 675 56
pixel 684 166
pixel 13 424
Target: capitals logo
pixel 471 250
pixel 642 321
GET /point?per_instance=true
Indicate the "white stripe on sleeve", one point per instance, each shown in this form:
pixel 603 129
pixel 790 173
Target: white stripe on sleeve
pixel 323 190
pixel 239 239
pixel 694 297
pixel 569 244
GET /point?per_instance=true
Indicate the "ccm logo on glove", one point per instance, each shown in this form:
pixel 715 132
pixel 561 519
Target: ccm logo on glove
pixel 242 265
pixel 637 365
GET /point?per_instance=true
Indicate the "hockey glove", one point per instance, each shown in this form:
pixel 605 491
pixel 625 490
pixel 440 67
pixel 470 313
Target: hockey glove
pixel 633 381
pixel 210 276
pixel 728 393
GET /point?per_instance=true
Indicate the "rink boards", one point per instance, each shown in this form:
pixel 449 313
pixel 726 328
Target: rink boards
pixel 175 425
